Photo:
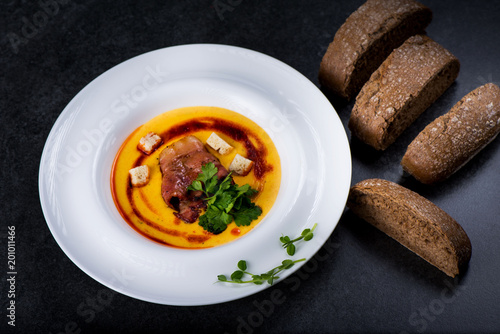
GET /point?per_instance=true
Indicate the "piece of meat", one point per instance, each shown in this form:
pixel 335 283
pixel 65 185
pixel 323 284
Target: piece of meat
pixel 180 164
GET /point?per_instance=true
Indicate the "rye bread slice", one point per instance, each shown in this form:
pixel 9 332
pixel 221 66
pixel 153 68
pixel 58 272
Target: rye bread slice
pixel 413 221
pixel 403 87
pixel 451 140
pixel 366 38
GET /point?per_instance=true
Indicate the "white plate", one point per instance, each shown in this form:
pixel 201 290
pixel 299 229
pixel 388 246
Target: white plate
pixel 74 178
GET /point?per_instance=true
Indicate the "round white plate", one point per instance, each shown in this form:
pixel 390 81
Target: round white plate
pixel 75 168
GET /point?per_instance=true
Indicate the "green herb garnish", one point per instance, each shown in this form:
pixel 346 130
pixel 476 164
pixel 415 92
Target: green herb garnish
pixel 225 201
pixel 269 277
pixel 288 243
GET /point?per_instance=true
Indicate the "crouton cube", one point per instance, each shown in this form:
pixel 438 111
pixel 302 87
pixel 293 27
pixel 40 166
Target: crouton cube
pixel 219 144
pixel 139 176
pixel 149 143
pixel 240 165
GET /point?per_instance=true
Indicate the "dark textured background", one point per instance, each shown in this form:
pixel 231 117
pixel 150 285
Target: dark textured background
pixel 361 282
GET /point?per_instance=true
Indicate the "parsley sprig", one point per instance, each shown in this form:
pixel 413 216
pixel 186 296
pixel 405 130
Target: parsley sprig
pixel 269 276
pixel 225 200
pixel 288 243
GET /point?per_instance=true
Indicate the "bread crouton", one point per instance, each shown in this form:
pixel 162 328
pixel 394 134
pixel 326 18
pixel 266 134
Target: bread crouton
pixel 240 165
pixel 139 176
pixel 149 143
pixel 219 144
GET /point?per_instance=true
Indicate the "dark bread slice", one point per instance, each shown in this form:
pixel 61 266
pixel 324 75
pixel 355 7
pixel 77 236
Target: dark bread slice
pixel 451 140
pixel 366 38
pixel 405 85
pixel 413 221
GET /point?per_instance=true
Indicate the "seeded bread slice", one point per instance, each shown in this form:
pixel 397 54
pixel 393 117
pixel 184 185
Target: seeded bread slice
pixel 413 221
pixel 366 38
pixel 451 140
pixel 402 88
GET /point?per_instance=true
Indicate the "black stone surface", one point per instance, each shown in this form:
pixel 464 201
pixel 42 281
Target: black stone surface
pixel 361 281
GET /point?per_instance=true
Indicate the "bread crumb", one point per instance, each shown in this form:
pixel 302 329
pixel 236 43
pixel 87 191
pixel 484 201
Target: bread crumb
pixel 139 176
pixel 149 143
pixel 240 165
pixel 219 144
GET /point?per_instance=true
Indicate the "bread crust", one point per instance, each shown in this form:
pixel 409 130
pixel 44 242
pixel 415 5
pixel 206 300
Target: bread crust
pixel 413 221
pixel 366 38
pixel 451 140
pixel 403 87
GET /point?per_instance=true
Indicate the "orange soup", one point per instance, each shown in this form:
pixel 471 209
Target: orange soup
pixel 144 209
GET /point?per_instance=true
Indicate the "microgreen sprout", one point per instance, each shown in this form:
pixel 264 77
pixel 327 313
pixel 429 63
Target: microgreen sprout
pixel 270 276
pixel 288 243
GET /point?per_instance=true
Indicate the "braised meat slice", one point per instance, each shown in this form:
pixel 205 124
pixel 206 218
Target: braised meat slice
pixel 180 164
